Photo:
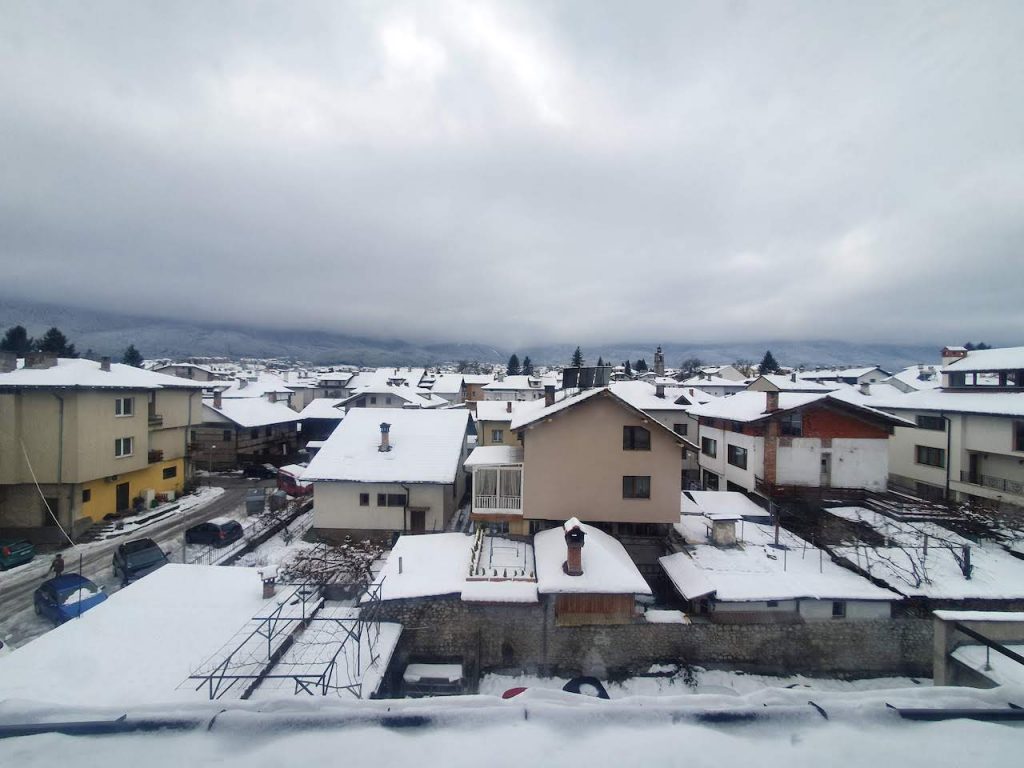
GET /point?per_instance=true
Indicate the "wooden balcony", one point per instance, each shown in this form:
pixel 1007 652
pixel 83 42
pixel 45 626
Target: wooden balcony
pixel 498 503
pixel 156 456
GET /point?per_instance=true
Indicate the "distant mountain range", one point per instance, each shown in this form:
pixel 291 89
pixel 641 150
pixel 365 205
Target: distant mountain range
pixel 109 333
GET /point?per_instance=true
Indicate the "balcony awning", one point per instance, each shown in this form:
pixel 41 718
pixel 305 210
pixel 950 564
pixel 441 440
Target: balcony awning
pixel 495 456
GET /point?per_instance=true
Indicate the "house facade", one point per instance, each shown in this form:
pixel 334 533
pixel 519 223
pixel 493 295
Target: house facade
pixel 244 431
pixel 95 436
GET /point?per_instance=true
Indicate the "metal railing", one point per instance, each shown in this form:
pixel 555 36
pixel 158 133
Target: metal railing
pixel 1015 487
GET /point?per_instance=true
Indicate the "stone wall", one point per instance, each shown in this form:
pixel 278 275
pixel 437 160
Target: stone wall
pixel 525 637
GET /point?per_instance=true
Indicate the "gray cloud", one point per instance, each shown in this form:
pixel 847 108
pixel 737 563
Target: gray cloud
pixel 521 173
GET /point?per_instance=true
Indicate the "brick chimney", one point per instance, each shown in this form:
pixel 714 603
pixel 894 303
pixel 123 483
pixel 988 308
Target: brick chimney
pixel 105 363
pixel 218 401
pixel 573 565
pixel 385 438
pixel 792 376
pixel 8 362
pixel 659 390
pixel 549 394
pixel 508 407
pixel 771 402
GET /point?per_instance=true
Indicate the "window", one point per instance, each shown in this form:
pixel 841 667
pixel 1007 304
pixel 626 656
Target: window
pixel 364 499
pixel 382 499
pixel 86 496
pixel 193 437
pixel 1018 435
pixel 170 472
pixel 710 481
pixel 838 609
pixel 390 499
pixel 497 436
pixel 791 425
pixel 636 487
pixel 123 447
pixel 737 456
pixel 932 457
pixel 773 603
pixel 387 400
pixel 268 431
pixel 636 439
pixel 373 401
pixel 254 434
pixel 931 422
pixel 680 429
pixel 736 426
pixel 124 406
pixel 226 436
pixel 709 447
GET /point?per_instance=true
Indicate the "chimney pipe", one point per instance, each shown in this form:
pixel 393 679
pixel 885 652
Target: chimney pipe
pixel 104 363
pixel 865 388
pixel 217 400
pixel 659 390
pixel 772 402
pixel 573 565
pixel 269 578
pixel 792 376
pixel 549 394
pixel 508 407
pixel 385 438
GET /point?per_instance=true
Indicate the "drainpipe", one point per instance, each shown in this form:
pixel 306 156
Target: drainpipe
pixel 188 432
pixel 949 448
pixel 405 509
pixel 60 458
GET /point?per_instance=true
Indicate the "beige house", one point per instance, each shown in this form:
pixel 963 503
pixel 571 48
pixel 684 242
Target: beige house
pixel 95 436
pixel 592 456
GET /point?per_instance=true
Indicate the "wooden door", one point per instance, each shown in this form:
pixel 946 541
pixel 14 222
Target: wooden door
pixel 418 520
pixel 123 500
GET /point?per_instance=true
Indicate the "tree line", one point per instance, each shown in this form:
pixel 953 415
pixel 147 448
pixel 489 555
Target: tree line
pixel 54 342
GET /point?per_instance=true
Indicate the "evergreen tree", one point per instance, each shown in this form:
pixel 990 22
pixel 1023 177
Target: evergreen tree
pixel 527 366
pixel 132 357
pixel 513 368
pixel 641 365
pixel 16 340
pixel 768 364
pixel 600 362
pixel 56 343
pixel 577 358
pixel 629 369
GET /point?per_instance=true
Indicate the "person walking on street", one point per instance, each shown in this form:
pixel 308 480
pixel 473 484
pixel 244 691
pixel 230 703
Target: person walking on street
pixel 57 566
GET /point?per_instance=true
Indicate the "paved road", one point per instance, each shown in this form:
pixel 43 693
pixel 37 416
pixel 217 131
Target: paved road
pixel 18 623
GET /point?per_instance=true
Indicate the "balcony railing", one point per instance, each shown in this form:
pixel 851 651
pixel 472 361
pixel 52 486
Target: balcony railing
pixel 1015 487
pixel 155 419
pixel 498 503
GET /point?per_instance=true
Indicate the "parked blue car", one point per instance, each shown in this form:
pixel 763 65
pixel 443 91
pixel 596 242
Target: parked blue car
pixel 67 596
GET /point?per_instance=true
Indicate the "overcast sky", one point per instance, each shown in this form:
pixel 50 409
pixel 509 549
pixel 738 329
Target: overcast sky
pixel 518 173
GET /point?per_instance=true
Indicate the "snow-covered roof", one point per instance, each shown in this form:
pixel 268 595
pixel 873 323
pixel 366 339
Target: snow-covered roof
pixel 426 446
pixel 518 383
pixel 919 377
pixel 478 378
pixel 713 381
pixel 412 396
pixel 1003 359
pixel 688 396
pixel 498 410
pixel 841 373
pixel 79 373
pixel 253 412
pixel 642 396
pixel 265 384
pixel 751 406
pixel 494 456
pixel 791 384
pixel 755 571
pixel 323 408
pixel 991 403
pixel 447 383
pixel 719 503
pixel 538 410
pixel 141 643
pixel 607 567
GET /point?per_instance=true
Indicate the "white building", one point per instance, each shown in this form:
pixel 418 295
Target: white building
pixel 390 470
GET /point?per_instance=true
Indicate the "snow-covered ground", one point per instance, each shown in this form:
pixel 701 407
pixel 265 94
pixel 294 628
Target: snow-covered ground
pixel 672 680
pixel 923 558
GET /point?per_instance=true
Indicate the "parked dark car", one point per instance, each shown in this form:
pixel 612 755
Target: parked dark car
pixel 260 471
pixel 66 596
pixel 15 552
pixel 218 532
pixel 134 559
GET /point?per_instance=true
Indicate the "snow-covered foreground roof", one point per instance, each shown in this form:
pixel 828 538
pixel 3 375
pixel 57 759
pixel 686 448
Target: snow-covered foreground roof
pixel 426 446
pixel 756 571
pixel 140 644
pixel 78 373
pixel 791 383
pixel 713 381
pixel 438 564
pixel 607 567
pixel 773 728
pixel 643 396
pixel 252 412
pixel 909 569
pixel 992 403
